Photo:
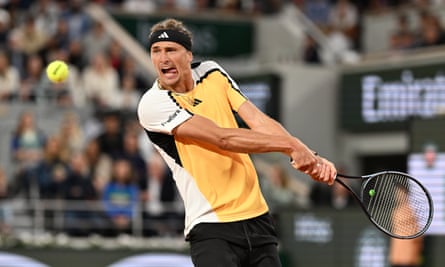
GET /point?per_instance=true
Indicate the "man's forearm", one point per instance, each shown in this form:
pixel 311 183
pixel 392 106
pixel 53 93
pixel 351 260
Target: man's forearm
pixel 250 141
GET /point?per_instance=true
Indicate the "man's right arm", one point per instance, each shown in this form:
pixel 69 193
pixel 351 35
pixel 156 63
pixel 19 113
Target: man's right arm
pixel 248 141
pixel 238 140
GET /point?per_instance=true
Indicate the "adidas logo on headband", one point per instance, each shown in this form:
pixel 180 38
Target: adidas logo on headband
pixel 163 35
pixel 171 35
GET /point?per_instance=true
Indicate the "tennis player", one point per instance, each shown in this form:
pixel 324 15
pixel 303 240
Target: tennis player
pixel 188 116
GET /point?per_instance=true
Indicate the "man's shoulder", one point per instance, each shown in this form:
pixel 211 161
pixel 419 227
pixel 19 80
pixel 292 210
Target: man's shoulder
pixel 206 66
pixel 154 91
pixel 152 98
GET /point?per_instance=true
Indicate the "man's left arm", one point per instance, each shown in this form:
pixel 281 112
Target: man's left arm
pixel 260 122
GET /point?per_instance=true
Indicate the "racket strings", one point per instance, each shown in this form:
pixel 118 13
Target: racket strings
pixel 398 205
pixel 377 204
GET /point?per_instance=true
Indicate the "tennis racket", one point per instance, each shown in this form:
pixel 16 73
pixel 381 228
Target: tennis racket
pixel 398 204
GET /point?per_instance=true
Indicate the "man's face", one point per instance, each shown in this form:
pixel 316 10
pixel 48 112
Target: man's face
pixel 430 157
pixel 172 63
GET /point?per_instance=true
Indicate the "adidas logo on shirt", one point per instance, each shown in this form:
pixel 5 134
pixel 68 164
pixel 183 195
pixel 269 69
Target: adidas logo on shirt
pixel 163 35
pixel 196 102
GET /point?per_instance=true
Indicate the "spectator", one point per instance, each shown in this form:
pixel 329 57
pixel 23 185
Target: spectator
pixel 56 188
pixel 121 196
pixel 278 188
pixel 338 48
pixel 78 22
pixel 46 13
pixel 406 252
pixel 100 82
pixel 5 25
pixel 111 139
pixel 96 41
pixel 344 18
pixel 52 163
pixel 71 135
pixel 231 6
pixel 129 67
pixel 9 78
pixel 49 175
pixel 162 209
pixel 116 55
pixel 79 219
pixel 100 165
pixel 131 153
pixel 145 148
pixel 28 39
pixel 55 191
pixel 27 142
pixel 403 37
pixel 128 96
pixel 161 188
pixel 33 81
pixel 431 32
pixel 60 39
pixel 75 55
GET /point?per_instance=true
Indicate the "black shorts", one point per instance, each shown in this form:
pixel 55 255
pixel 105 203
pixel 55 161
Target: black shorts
pixel 251 242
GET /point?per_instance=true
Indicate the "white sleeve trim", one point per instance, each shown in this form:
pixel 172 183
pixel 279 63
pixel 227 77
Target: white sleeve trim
pixel 158 112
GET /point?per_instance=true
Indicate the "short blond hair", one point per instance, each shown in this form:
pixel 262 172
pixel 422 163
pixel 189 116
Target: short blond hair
pixel 171 24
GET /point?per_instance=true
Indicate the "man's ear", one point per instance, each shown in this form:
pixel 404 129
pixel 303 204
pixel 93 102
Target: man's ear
pixel 190 56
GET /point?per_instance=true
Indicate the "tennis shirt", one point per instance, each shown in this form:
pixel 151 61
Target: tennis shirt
pixel 216 185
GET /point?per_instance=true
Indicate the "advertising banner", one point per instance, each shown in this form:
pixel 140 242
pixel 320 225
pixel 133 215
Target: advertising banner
pixel 385 99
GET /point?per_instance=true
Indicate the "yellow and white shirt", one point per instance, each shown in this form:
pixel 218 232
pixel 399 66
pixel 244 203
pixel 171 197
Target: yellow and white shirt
pixel 215 185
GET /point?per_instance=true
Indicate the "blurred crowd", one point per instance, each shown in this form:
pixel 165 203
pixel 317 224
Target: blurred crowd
pixel 341 22
pixel 104 159
pixel 109 166
pixel 108 158
pixel 428 32
pixel 33 33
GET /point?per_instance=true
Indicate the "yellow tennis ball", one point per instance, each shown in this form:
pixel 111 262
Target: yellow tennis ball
pixel 57 71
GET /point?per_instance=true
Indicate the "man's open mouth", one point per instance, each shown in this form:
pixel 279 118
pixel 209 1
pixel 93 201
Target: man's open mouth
pixel 169 70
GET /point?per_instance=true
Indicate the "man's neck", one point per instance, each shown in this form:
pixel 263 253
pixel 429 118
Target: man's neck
pixel 181 87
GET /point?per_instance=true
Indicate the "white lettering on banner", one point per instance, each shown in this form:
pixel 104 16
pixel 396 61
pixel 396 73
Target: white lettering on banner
pixel 310 228
pixel 398 100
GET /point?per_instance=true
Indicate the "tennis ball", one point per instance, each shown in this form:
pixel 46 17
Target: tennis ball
pixel 371 192
pixel 57 71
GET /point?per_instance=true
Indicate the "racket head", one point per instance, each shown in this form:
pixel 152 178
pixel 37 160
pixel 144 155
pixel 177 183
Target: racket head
pixel 397 204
